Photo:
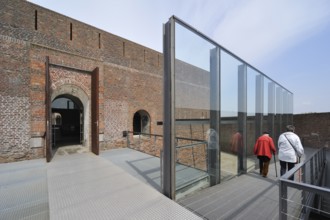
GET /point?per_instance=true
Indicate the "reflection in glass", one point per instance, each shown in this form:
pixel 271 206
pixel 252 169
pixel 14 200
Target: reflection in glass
pixel 269 121
pixel 196 139
pixel 221 105
pixel 231 137
pixel 253 109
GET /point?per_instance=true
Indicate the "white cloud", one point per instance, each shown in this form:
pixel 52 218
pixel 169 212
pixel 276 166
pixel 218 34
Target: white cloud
pixel 251 29
pixel 281 36
pixel 257 28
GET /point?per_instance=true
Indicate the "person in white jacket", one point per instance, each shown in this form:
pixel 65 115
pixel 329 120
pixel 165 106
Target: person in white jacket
pixel 289 149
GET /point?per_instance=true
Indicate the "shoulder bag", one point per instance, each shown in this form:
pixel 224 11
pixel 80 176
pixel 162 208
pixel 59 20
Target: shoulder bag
pixel 298 158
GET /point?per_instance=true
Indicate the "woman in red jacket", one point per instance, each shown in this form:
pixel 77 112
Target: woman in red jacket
pixel 264 148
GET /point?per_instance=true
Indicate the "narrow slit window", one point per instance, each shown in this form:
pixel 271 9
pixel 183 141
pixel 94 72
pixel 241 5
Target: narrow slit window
pixel 144 55
pixel 36 20
pixel 99 40
pixel 70 31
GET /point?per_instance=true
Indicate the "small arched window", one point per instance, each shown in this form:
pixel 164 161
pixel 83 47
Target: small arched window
pixel 141 122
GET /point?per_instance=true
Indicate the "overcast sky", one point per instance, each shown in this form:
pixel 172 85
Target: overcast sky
pixel 288 40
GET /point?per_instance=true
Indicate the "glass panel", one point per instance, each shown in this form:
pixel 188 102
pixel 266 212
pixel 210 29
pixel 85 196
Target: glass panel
pixel 231 138
pixel 253 107
pixel 270 87
pixel 279 111
pixel 290 109
pixel 287 107
pixel 265 125
pixel 196 138
pixel 250 103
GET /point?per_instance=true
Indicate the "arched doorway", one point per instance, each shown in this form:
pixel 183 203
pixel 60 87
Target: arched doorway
pixel 141 122
pixel 67 121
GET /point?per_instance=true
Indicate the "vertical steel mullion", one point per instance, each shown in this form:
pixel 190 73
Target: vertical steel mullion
pixel 283 195
pixel 169 110
pixel 213 143
pixel 242 116
pixel 303 178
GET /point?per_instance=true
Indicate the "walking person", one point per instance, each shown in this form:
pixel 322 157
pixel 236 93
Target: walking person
pixel 264 148
pixel 289 149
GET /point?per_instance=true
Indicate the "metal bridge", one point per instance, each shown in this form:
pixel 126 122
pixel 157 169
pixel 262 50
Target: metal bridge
pixel 125 184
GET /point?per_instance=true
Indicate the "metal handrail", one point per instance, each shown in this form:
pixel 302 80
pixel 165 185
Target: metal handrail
pixel 310 185
pixel 191 145
pixel 180 147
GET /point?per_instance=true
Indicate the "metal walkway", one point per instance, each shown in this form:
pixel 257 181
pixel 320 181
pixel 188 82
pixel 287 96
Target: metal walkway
pixel 85 186
pixel 80 186
pixel 23 190
pixel 124 184
pixel 248 197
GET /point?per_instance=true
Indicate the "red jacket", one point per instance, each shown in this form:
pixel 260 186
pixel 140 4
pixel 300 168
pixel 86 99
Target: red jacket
pixel 264 146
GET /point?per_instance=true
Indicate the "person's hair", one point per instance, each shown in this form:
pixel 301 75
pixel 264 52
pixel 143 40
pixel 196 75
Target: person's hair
pixel 290 128
pixel 265 132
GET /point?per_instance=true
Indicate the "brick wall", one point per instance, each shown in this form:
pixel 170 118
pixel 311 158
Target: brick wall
pixel 130 77
pixel 313 129
pixel 130 81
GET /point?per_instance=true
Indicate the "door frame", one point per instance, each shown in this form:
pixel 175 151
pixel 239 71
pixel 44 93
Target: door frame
pixel 94 107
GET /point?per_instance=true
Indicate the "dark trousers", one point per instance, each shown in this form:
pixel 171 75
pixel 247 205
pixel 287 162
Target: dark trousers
pixel 286 166
pixel 263 165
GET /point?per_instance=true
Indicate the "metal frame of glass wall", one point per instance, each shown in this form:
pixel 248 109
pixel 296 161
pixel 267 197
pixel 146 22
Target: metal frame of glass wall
pixel 215 107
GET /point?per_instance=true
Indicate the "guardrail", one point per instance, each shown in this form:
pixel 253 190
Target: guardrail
pixel 192 153
pixel 151 144
pixel 189 152
pixel 299 197
pixel 190 157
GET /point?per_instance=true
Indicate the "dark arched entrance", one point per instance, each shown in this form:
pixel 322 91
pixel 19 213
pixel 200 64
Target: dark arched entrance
pixel 67 121
pixel 141 122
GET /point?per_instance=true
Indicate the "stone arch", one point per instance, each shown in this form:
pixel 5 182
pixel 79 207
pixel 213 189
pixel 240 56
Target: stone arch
pixel 78 95
pixel 141 122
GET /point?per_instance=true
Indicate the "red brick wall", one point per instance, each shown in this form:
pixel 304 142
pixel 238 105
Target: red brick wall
pixel 130 76
pixel 130 80
pixel 313 129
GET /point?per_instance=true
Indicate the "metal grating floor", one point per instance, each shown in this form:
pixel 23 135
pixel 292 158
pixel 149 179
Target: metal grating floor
pixel 23 190
pixel 80 186
pixel 117 186
pixel 85 186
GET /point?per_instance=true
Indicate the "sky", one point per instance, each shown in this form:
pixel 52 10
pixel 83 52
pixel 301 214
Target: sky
pixel 288 40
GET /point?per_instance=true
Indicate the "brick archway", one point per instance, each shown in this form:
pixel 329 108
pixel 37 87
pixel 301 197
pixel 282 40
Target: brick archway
pixel 79 114
pixel 82 84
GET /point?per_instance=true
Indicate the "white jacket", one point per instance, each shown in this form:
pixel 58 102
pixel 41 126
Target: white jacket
pixel 285 150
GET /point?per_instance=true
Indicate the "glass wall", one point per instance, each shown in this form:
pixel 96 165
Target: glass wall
pixel 215 107
pixel 196 82
pixel 253 112
pixel 231 141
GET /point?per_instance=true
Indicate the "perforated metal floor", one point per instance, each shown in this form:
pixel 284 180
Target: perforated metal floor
pixel 23 190
pixel 85 186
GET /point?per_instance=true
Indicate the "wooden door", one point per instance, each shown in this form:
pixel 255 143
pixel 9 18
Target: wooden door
pixel 48 135
pixel 95 111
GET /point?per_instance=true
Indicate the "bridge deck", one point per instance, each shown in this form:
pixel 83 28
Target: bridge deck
pixel 124 184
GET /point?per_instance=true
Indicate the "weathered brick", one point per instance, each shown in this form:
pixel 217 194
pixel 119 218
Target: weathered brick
pixel 124 68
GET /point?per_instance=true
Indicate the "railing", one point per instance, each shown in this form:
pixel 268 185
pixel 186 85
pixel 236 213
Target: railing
pixel 299 197
pixel 151 144
pixel 190 152
pixel 190 156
